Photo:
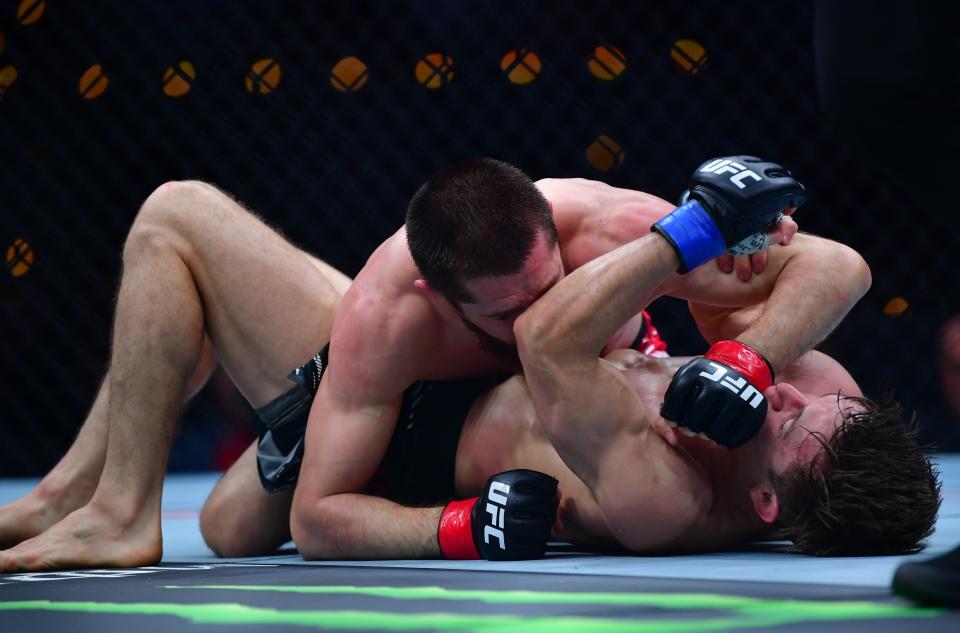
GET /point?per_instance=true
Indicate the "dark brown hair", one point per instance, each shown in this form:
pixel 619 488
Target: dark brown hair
pixel 476 218
pixel 872 491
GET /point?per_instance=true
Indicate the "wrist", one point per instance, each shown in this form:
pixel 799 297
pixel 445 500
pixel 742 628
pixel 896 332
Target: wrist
pixel 455 531
pixel 745 359
pixel 692 233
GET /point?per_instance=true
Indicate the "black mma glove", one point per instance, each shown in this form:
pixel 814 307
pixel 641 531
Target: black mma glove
pixel 728 206
pixel 721 393
pixel 510 521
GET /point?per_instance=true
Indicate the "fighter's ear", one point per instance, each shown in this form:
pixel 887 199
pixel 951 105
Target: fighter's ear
pixel 765 502
pixel 439 302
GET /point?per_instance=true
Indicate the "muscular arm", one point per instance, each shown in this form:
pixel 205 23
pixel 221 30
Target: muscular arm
pixel 593 219
pixel 804 293
pixel 350 426
pixel 586 406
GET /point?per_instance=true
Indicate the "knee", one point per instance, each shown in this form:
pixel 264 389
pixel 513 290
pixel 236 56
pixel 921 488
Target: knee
pixel 220 531
pixel 173 202
pixel 169 216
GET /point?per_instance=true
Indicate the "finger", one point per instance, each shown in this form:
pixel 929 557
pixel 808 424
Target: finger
pixel 790 210
pixel 788 228
pixel 759 262
pixel 783 231
pixel 743 268
pixel 725 262
pixel 664 430
pixel 558 522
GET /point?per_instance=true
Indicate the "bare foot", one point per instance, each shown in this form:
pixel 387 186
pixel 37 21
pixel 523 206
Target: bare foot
pixel 88 537
pixel 39 509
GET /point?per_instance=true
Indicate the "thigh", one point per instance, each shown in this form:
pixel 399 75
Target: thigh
pixel 340 281
pixel 240 518
pixel 268 306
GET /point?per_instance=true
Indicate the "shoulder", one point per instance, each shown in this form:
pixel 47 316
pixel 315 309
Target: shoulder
pixel 381 324
pixel 580 195
pixel 593 217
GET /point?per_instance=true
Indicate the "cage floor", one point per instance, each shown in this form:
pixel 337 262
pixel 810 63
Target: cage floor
pixel 756 587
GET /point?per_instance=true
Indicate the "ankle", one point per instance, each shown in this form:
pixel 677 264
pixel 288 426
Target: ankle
pixel 125 510
pixel 58 488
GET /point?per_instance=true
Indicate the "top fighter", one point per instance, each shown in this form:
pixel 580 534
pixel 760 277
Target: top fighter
pixel 626 479
pixel 221 269
pixel 609 490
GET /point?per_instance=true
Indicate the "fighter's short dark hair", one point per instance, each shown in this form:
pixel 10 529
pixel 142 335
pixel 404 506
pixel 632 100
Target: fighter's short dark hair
pixel 476 218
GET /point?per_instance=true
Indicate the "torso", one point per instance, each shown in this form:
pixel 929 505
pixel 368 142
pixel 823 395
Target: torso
pixel 502 433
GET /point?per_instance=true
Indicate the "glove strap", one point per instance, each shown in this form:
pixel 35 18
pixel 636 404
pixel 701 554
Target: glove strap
pixel 455 531
pixel 648 339
pixel 745 359
pixel 693 234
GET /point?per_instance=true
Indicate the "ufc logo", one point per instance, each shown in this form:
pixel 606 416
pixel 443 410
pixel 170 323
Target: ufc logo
pixel 747 392
pixel 497 495
pixel 727 166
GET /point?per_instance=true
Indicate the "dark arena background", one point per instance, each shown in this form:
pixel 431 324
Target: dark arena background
pixel 325 117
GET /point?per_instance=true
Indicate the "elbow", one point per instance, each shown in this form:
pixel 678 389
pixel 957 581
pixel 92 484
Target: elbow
pixel 859 278
pixel 865 276
pixel 546 349
pixel 843 271
pixel 300 525
pixel 532 335
pixel 311 529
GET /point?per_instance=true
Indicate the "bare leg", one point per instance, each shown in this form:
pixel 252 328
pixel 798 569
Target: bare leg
pixel 193 258
pixel 70 484
pixel 240 518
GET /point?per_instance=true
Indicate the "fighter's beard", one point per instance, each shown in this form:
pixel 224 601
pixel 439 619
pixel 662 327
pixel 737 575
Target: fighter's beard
pixel 501 350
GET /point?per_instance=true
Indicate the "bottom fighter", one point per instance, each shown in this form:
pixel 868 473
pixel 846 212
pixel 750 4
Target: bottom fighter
pixel 834 472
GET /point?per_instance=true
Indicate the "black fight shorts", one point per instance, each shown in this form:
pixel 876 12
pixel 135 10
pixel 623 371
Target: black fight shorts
pixel 419 465
pixel 283 424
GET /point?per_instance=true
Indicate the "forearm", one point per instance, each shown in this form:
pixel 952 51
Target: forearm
pixel 580 314
pixel 718 323
pixel 352 526
pixel 812 294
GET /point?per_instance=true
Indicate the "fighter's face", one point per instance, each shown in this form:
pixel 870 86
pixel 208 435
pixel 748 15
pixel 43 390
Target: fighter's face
pixel 795 422
pixel 501 299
